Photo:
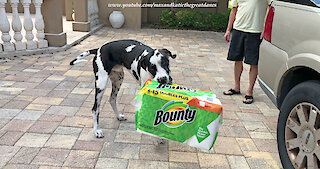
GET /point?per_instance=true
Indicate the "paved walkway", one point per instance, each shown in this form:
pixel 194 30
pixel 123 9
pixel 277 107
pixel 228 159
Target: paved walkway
pixel 45 110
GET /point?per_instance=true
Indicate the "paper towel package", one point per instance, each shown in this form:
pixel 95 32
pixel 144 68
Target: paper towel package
pixel 177 113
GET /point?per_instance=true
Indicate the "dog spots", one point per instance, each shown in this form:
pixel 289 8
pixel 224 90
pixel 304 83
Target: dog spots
pixel 145 53
pixel 95 106
pixel 114 88
pixel 155 59
pixel 80 58
pixel 135 74
pixel 135 64
pixel 145 75
pixel 116 78
pixel 83 54
pixel 162 65
pixel 120 78
pixel 129 48
pixel 99 90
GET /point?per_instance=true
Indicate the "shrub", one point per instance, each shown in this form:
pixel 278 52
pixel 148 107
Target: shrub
pixel 194 19
pixel 185 18
pixel 168 19
pixel 220 21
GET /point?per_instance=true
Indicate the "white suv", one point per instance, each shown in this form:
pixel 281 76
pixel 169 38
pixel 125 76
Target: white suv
pixel 289 73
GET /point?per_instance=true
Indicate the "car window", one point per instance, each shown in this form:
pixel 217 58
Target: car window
pixel 314 3
pixel 317 2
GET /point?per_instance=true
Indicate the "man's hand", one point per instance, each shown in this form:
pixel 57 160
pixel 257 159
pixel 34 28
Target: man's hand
pixel 232 18
pixel 262 34
pixel 227 36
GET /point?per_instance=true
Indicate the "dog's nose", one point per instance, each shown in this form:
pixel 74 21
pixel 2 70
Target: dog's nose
pixel 162 80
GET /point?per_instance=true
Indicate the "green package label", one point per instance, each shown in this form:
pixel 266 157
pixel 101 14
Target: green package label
pixel 202 133
pixel 177 113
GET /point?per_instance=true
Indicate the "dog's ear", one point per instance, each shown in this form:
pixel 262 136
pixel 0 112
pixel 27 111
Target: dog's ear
pixel 166 52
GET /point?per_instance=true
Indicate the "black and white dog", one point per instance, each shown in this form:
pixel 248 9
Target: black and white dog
pixel 142 61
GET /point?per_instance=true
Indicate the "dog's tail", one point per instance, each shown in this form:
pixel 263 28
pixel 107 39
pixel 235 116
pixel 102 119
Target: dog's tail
pixel 83 55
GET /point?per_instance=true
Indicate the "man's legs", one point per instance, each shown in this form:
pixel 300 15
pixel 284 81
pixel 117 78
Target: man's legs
pixel 237 71
pixel 236 54
pixel 252 80
pixel 238 68
pixel 251 48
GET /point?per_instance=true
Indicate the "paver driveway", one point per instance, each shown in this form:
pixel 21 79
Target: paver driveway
pixel 45 110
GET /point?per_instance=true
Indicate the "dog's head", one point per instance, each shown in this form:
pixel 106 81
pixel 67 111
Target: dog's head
pixel 159 65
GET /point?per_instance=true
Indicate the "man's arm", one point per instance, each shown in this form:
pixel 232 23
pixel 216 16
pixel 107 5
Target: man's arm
pixel 262 33
pixel 232 18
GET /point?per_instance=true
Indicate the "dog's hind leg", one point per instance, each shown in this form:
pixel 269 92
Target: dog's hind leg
pixel 96 110
pixel 102 78
pixel 116 77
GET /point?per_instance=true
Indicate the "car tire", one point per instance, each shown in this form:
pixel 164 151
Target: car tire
pixel 301 96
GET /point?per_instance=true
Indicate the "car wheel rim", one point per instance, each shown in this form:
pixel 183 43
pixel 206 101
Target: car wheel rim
pixel 302 135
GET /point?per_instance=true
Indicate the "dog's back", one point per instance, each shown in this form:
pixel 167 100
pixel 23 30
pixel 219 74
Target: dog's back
pixel 123 52
pixel 119 52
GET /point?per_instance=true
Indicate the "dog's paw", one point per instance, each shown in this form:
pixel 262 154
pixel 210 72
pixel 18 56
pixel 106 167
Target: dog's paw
pixel 99 133
pixel 122 118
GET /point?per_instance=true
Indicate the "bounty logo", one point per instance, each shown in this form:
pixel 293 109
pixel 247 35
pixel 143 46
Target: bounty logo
pixel 174 114
pixel 174 87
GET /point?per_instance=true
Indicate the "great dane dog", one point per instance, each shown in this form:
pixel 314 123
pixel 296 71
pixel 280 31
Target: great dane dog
pixel 142 61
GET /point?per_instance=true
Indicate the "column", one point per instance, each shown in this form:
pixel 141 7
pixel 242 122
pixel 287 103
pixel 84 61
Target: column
pixel 81 16
pixel 17 26
pixel 5 28
pixel 69 6
pixel 28 25
pixel 53 25
pixel 39 24
pixel 96 12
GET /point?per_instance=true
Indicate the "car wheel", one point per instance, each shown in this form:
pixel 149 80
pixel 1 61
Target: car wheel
pixel 298 132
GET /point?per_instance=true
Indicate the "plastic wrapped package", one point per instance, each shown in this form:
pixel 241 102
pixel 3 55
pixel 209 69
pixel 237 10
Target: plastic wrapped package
pixel 177 113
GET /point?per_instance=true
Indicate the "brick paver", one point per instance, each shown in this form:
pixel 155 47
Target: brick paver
pixel 46 120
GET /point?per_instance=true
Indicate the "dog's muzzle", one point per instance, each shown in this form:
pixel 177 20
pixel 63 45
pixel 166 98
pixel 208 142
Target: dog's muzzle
pixel 164 80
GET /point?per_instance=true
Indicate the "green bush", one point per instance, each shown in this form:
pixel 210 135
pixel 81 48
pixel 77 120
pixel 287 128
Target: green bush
pixel 185 18
pixel 194 19
pixel 168 19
